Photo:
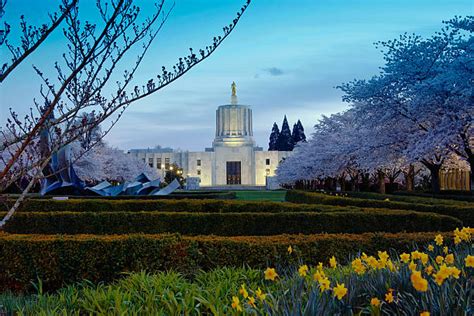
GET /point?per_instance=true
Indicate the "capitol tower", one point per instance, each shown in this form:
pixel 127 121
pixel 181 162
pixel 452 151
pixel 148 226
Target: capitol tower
pixel 234 160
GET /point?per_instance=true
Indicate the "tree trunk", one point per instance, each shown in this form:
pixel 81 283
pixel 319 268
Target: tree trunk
pixel 434 170
pixel 391 184
pixel 471 173
pixel 342 183
pixel 410 178
pixel 381 177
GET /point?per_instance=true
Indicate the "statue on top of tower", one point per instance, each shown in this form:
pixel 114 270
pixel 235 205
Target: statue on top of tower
pixel 234 89
pixel 233 98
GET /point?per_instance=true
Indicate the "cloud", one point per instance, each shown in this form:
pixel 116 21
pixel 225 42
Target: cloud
pixel 274 71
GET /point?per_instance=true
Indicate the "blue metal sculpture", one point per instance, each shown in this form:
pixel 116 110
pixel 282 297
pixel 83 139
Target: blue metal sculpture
pixel 61 178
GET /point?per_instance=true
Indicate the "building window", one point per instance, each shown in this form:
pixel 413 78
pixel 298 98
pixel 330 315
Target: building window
pixel 199 172
pixel 198 162
pixel 267 161
pixel 158 163
pixel 167 163
pixel 150 162
pixel 267 172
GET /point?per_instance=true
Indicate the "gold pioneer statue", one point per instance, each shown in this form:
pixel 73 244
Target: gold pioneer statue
pixel 234 90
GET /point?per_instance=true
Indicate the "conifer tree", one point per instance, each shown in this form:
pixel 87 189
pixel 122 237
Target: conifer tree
pixel 273 144
pixel 298 133
pixel 285 141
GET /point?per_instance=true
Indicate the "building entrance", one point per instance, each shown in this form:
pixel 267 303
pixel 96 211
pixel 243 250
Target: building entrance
pixel 233 172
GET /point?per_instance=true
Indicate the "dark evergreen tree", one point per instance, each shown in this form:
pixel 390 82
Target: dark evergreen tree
pixel 285 141
pixel 298 133
pixel 273 144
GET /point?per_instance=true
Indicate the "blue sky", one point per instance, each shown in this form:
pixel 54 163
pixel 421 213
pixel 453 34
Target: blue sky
pixel 286 57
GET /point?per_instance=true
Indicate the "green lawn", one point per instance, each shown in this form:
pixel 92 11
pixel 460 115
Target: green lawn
pixel 275 196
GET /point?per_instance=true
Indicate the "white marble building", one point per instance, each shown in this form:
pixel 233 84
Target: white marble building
pixel 233 160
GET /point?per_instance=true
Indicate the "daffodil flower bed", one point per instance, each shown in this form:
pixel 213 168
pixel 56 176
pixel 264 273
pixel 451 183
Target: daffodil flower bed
pixel 430 280
pixel 435 278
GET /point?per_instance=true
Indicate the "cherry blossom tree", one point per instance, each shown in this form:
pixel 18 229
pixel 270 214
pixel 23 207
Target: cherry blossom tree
pixel 418 110
pixel 103 162
pixel 426 87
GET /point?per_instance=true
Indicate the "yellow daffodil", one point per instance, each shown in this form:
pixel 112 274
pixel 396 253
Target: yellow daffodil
pixel 443 273
pixel 372 262
pixel 415 255
pixel 383 256
pixel 290 250
pixel 425 314
pixel 364 256
pixel 390 265
pixel 324 284
pixel 340 291
pixel 303 270
pixel 445 250
pixel 449 259
pixel 465 233
pixel 405 257
pixel 270 274
pixel 236 303
pixel 444 270
pixel 438 278
pixel 429 270
pixel 319 266
pixel 424 258
pixel 439 259
pixel 243 291
pixel 454 272
pixel 469 261
pixel 430 248
pixel 375 302
pixel 457 240
pixel 333 262
pixel 260 295
pixel 418 282
pixel 318 275
pixel 389 297
pixel 460 235
pixel 358 266
pixel 251 301
pixel 439 240
pixel 412 266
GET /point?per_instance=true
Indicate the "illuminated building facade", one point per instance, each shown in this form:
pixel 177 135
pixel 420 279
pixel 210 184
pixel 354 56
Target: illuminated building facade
pixel 233 160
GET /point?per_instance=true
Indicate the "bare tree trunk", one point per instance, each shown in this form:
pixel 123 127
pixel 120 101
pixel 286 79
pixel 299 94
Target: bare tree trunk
pixel 381 178
pixel 342 182
pixel 471 173
pixel 410 178
pixel 434 171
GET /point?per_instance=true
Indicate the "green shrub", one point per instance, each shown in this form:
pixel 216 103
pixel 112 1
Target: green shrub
pixel 466 196
pixel 222 195
pixel 60 260
pixel 402 198
pixel 227 224
pixel 465 214
pixel 185 205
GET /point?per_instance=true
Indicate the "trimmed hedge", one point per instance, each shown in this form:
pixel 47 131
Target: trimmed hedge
pixel 227 224
pixel 403 198
pixel 466 196
pixel 61 260
pixel 96 205
pixel 465 214
pixel 199 195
